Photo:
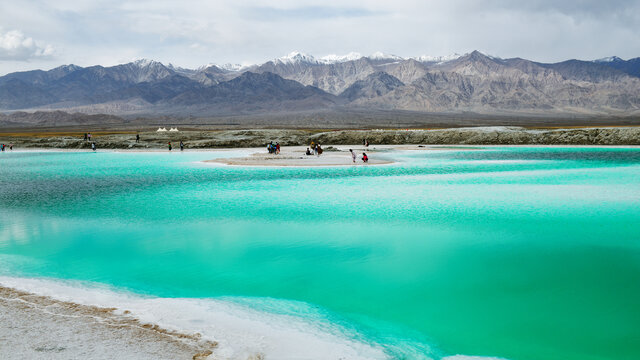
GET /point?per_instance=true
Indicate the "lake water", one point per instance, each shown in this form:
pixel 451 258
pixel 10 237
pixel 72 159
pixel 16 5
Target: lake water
pixel 518 253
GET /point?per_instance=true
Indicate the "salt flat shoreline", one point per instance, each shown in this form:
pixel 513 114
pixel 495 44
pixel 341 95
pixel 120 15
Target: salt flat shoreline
pixel 39 327
pixel 258 138
pixel 57 319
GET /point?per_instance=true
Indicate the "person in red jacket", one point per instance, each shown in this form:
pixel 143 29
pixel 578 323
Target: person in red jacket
pixel 365 158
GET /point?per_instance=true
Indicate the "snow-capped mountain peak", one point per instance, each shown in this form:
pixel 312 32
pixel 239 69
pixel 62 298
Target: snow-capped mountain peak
pixel 608 59
pixel 382 56
pixel 296 57
pixel 437 59
pixel 145 62
pixel 335 59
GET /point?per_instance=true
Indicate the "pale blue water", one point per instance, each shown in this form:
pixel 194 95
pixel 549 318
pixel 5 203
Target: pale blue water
pixel 521 253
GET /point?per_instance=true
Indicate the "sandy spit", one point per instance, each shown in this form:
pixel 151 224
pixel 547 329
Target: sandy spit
pixel 295 156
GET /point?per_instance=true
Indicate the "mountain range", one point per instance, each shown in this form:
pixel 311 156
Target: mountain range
pixel 474 82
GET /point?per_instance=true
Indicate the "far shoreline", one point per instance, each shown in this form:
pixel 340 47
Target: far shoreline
pixel 259 138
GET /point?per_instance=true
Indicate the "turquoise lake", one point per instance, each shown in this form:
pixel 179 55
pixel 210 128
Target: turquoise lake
pixel 522 253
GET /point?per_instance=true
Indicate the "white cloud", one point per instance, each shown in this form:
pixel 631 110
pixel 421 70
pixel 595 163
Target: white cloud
pixel 14 45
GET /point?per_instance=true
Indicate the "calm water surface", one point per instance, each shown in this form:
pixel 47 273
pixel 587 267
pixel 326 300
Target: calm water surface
pixel 520 253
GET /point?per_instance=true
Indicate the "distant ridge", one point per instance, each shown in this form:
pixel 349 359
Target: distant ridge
pixel 472 82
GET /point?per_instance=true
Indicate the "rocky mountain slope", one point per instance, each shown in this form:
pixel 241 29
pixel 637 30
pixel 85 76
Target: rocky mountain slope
pixel 473 82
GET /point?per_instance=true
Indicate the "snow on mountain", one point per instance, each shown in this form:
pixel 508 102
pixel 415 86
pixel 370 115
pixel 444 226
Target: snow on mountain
pixel 146 62
pixel 608 59
pixel 296 57
pixel 437 59
pixel 335 59
pixel 180 70
pixel 382 56
pixel 235 67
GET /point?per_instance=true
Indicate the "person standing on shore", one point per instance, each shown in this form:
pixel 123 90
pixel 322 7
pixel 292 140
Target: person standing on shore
pixel 137 138
pixel 169 146
pixel 93 146
pixel 89 136
pixel 181 145
pixel 11 147
pixel 353 156
pixel 277 148
pixel 315 150
pixel 365 158
pixel 85 136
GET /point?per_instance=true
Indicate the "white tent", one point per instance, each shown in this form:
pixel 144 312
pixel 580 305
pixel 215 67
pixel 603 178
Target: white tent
pixel 161 129
pixel 174 129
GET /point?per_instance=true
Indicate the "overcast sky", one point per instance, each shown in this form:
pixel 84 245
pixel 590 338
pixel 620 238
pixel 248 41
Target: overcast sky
pixel 190 33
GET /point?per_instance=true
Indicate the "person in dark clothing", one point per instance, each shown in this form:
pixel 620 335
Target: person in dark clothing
pixel 169 146
pixel 181 145
pixel 137 138
pixel 85 137
pixel 93 146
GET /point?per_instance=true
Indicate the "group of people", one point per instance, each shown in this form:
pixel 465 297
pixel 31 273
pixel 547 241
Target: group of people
pixel 273 148
pixel 314 149
pixel 365 158
pixel 181 146
pixel 87 138
pixel 3 146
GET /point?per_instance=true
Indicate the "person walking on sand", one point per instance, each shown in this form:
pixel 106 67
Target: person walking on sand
pixel 137 138
pixel 11 147
pixel 315 150
pixel 85 137
pixel 89 136
pixel 277 148
pixel 181 145
pixel 353 156
pixel 169 146
pixel 93 146
pixel 365 158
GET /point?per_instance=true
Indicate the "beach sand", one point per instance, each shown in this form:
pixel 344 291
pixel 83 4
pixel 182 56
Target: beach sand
pixel 39 327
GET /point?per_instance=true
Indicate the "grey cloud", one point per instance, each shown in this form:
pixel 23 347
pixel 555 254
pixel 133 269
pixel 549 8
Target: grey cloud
pixel 305 13
pixel 566 7
pixel 111 31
